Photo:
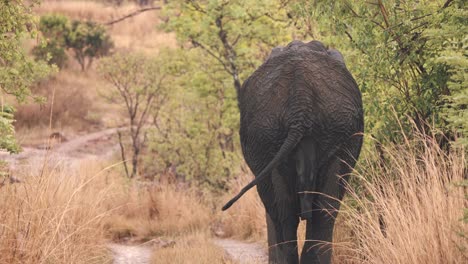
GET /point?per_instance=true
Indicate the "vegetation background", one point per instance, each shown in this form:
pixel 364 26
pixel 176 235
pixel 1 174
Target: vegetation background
pixel 161 76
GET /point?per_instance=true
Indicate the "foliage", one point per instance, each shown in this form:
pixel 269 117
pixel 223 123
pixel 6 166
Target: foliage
pixel 222 42
pixel 138 86
pixel 406 56
pixel 451 39
pixel 195 135
pixel 88 40
pixel 7 130
pixel 238 34
pixel 17 71
pixel 52 53
pixel 55 28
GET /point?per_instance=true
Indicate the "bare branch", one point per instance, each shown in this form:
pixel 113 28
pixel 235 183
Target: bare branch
pixel 447 3
pixel 122 153
pixel 132 15
pixel 196 6
pixel 218 58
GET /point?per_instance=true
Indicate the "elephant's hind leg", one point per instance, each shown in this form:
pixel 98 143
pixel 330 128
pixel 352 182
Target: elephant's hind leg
pixel 330 184
pixel 282 240
pixel 281 207
pixel 319 228
pixel 306 169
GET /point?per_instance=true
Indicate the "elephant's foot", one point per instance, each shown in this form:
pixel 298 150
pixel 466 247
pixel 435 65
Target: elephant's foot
pixel 313 253
pixel 319 233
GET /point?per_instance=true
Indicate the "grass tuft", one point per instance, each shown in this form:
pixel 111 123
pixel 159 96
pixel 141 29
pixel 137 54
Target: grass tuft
pixel 55 215
pixel 158 210
pixel 409 209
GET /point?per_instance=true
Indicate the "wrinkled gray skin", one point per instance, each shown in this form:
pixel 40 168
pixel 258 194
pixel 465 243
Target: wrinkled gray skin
pixel 301 134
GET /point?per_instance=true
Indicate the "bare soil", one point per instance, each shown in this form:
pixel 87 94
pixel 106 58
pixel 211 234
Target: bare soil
pixel 243 252
pixel 125 254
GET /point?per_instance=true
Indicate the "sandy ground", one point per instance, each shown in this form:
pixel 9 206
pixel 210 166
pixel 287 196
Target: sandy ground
pixel 242 252
pixel 124 254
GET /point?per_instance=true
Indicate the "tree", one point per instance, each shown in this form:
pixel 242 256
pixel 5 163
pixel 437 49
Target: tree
pixel 222 42
pixel 138 86
pixel 17 71
pixel 88 40
pixel 194 135
pixel 55 28
pixel 449 36
pixel 238 34
pixel 401 54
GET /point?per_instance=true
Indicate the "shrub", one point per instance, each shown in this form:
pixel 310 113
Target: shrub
pixel 51 52
pixel 86 39
pixel 54 28
pixel 7 130
pixel 17 71
pixel 139 88
pixel 55 215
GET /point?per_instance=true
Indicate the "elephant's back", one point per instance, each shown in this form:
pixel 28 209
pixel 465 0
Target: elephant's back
pixel 305 88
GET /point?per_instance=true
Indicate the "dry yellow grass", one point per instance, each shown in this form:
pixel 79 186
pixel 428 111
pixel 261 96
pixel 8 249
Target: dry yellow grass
pixel 156 210
pixel 195 248
pixel 55 215
pixel 246 219
pixel 71 96
pixel 417 196
pixel 68 212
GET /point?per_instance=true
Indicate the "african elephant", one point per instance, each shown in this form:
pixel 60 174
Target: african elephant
pixel 301 134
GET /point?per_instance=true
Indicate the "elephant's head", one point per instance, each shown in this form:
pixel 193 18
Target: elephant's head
pixel 313 45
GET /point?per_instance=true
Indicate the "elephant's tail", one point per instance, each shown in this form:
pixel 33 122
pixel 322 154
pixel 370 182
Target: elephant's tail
pixel 293 138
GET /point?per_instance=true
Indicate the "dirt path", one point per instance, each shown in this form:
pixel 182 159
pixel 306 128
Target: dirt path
pixel 101 144
pixel 243 252
pixel 240 252
pixel 124 254
pixel 94 145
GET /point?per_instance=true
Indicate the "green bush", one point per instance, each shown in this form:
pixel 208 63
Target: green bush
pixel 86 39
pixel 7 130
pixel 408 57
pixel 194 134
pixel 17 71
pixel 51 52
pixel 55 28
pixel 138 87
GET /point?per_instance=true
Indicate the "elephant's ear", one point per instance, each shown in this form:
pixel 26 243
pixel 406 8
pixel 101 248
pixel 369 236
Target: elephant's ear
pixel 275 52
pixel 336 55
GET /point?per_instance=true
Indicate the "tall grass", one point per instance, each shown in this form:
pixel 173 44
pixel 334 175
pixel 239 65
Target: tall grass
pixel 409 208
pixel 67 212
pixel 404 208
pixel 72 103
pixel 246 219
pixel 55 215
pixel 158 210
